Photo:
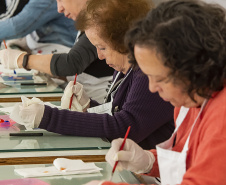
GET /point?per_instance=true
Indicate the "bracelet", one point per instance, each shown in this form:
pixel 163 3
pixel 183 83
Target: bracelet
pixel 25 61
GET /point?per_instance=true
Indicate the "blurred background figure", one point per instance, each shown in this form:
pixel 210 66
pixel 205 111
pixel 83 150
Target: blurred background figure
pixel 10 8
pixel 82 59
pixel 37 23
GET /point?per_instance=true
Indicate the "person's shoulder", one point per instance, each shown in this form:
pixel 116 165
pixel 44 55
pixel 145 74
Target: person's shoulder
pixel 83 40
pixel 218 100
pixel 138 74
pixel 47 5
pixel 214 113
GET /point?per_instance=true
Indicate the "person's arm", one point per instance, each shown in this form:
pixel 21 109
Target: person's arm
pixel 34 15
pixel 77 60
pixel 144 111
pixel 37 62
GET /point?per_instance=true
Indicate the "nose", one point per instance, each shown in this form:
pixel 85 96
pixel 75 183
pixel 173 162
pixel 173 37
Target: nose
pixel 60 8
pixel 153 86
pixel 100 54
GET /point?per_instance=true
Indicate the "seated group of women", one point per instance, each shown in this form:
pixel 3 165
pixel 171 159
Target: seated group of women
pixel 169 56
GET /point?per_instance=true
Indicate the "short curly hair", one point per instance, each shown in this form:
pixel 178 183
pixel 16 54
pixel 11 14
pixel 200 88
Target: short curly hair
pixel 190 38
pixel 113 18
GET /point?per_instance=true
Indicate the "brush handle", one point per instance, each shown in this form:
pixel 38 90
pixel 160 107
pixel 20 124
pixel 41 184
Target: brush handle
pixel 72 93
pixel 5 44
pixel 121 148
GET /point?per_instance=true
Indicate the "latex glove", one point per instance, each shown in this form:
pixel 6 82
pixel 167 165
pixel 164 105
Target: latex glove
pixel 80 99
pixel 9 57
pixel 95 182
pixel 132 157
pixel 20 43
pixel 28 113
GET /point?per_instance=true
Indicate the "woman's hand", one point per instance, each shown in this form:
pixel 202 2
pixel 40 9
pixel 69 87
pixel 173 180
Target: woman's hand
pixel 28 113
pixel 132 157
pixel 9 58
pixel 80 100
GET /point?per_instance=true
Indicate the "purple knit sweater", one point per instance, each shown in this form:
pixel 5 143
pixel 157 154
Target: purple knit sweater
pixel 151 118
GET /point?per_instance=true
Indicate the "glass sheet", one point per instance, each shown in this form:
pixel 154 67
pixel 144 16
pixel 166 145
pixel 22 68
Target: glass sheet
pixel 15 87
pixel 7 172
pixel 48 142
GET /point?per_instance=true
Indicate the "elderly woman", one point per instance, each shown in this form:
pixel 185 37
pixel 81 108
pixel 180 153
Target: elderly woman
pixel 129 101
pixel 181 47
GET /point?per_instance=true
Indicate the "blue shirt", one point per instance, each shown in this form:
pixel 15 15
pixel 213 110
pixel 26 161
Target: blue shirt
pixel 40 16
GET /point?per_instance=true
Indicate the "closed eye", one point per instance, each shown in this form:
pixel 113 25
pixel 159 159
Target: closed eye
pixel 160 80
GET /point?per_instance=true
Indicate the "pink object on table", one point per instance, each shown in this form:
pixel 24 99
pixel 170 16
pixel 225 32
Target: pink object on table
pixel 27 181
pixel 7 124
pixel 6 117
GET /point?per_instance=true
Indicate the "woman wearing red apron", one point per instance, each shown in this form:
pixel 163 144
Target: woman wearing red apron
pixel 181 47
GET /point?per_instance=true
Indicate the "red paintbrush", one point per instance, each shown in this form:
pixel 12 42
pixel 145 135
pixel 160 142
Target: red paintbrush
pixel 5 44
pixel 72 93
pixel 121 147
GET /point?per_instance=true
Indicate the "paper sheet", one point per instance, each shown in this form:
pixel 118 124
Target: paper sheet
pixel 67 165
pixel 64 167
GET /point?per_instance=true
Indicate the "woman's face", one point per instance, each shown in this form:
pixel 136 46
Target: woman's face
pixel 113 58
pixel 157 73
pixel 70 8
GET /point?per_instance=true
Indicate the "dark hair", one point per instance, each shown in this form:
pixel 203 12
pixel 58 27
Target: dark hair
pixel 189 36
pixel 113 18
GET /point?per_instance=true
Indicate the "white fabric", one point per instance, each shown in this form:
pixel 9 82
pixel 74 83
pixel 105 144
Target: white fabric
pixel 20 42
pixel 72 167
pixel 44 48
pixel 102 109
pixel 28 113
pixel 107 107
pixel 9 57
pixel 66 165
pixel 172 164
pixel 11 7
pixel 26 101
pixel 132 157
pixel 80 99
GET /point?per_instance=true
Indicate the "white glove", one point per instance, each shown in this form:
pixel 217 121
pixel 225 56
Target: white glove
pixel 80 99
pixel 132 157
pixel 21 43
pixel 28 113
pixel 9 57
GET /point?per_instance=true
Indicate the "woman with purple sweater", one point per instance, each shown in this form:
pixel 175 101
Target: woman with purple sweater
pixel 129 102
